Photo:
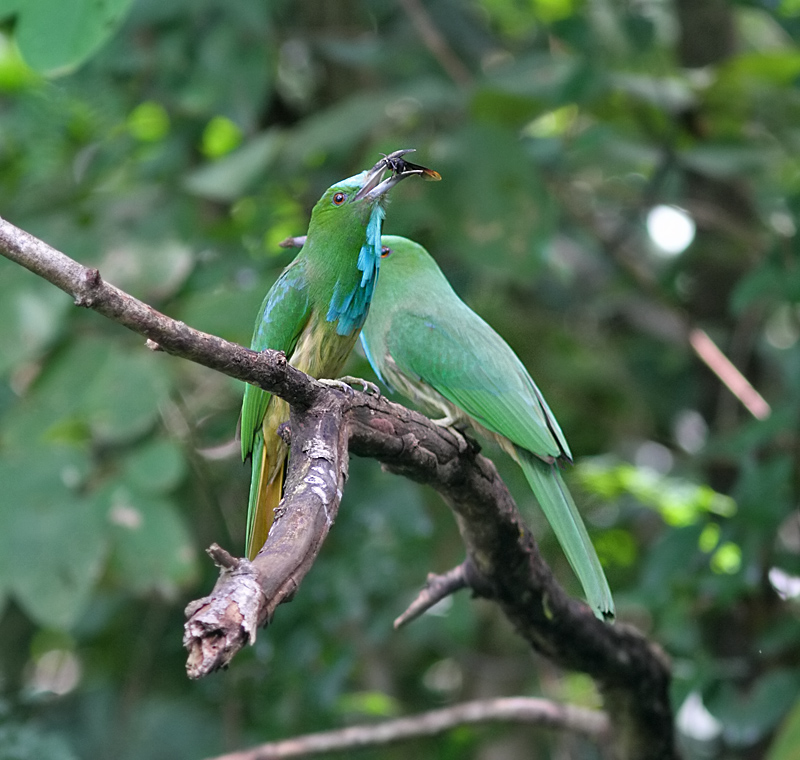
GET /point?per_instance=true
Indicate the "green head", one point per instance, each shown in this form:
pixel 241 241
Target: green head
pixel 409 275
pixel 354 202
pixel 347 221
pixel 406 264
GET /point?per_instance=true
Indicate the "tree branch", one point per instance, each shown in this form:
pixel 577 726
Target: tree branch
pixel 245 597
pixel 268 369
pixel 433 39
pixel 538 712
pixel 503 562
pixel 437 587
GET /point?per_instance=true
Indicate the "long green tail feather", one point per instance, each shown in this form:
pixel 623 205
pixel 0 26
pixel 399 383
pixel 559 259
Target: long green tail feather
pixel 549 488
pixel 252 504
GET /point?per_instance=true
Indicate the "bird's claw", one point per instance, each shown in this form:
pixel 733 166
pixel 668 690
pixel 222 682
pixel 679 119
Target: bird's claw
pixel 449 420
pixel 345 384
pixel 284 432
pixel 338 385
pixel 366 385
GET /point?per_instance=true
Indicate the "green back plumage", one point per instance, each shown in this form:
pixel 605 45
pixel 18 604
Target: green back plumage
pixel 427 332
pixel 313 314
pixel 328 261
pixel 282 317
pixel 425 341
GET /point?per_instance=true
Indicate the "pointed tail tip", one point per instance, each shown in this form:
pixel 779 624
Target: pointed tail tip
pixel 605 614
pixel 602 603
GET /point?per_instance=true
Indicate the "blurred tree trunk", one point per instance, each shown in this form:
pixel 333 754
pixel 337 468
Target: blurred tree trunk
pixel 726 244
pixel 729 242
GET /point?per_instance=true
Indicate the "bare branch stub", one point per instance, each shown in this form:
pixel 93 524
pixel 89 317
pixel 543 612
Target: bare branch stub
pixel 221 623
pixel 437 587
pixel 222 559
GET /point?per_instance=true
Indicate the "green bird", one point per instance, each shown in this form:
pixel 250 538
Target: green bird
pixel 313 313
pixel 425 342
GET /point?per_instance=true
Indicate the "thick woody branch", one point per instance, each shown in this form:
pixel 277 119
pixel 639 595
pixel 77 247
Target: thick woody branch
pixel 505 566
pixel 538 712
pixel 503 561
pixel 246 594
pixel 269 369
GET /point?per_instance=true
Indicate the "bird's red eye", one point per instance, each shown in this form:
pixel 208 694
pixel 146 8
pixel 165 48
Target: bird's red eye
pixel 385 251
pixel 339 199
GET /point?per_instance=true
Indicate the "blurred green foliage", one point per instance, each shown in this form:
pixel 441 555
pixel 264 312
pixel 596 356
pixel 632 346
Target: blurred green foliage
pixel 174 144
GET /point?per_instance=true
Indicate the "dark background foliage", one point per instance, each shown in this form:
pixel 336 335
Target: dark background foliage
pixel 174 143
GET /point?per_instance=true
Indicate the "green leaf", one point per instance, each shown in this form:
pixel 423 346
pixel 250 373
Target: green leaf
pixel 168 726
pixel 765 282
pixel 153 550
pixel 374 704
pixel 149 122
pixel 338 128
pixel 673 94
pixel 9 7
pixel 786 745
pixel 726 161
pixel 55 37
pixel 505 108
pixel 668 562
pixel 764 492
pixel 727 559
pixel 679 501
pixel 151 270
pixel 224 312
pixel 220 136
pixel 54 540
pixel 616 547
pixel 230 177
pixel 32 742
pixel 748 717
pixel 156 467
pixel 15 74
pixel 31 312
pixel 789 7
pixel 139 378
pixel 94 388
pixel 776 66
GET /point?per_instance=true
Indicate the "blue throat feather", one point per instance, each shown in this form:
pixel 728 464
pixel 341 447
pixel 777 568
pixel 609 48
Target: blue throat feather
pixel 350 309
pixel 373 363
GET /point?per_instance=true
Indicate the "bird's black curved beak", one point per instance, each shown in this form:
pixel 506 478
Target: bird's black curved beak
pixel 375 186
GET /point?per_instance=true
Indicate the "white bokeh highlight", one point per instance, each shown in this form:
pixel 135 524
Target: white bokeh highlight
pixel 671 229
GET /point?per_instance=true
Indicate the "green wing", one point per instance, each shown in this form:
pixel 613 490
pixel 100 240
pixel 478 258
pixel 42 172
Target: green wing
pixel 468 363
pixel 284 313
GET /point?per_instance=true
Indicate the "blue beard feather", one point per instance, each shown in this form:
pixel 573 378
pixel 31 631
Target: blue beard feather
pixel 350 308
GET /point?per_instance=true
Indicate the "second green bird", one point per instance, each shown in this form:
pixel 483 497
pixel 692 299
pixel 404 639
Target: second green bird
pixel 425 342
